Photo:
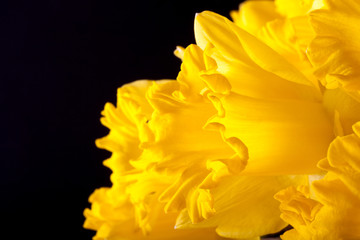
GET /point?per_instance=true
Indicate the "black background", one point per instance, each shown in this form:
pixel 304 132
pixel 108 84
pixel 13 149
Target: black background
pixel 60 62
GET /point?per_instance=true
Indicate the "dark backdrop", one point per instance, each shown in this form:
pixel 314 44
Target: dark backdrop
pixel 60 62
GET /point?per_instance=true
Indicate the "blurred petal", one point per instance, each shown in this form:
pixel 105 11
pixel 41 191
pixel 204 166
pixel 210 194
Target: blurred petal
pixel 293 8
pixel 253 15
pixel 335 50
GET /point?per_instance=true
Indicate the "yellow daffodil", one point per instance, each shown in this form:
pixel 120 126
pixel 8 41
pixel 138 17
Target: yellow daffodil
pixel 260 107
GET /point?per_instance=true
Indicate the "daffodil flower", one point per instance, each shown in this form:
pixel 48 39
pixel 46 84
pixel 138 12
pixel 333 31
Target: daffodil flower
pixel 262 106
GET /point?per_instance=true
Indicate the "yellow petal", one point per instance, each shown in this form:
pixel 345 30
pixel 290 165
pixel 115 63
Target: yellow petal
pixel 179 52
pixel 236 44
pixel 296 206
pixel 335 50
pixel 344 160
pixel 248 210
pixel 189 77
pixel 280 135
pixel 115 217
pixel 253 15
pixel 290 38
pixel 299 210
pixel 211 29
pixel 171 124
pixel 127 124
pixel 183 148
pixel 293 8
pixel 333 211
pixel 288 34
pixel 247 77
pixel 216 82
pixel 268 59
pixel 338 101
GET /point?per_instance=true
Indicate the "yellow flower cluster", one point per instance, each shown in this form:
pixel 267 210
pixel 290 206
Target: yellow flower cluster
pixel 260 129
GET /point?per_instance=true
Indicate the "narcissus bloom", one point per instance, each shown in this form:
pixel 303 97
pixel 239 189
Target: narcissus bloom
pixel 260 108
